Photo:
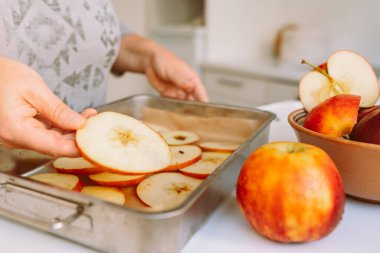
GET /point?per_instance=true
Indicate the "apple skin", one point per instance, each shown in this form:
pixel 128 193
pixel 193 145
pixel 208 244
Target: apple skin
pixel 291 192
pixel 368 128
pixel 364 111
pixel 335 116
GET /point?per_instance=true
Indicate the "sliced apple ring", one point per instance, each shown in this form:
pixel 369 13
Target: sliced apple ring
pixel 158 128
pixel 64 181
pixel 219 146
pixel 118 180
pixel 122 144
pixel 183 156
pixel 110 194
pixel 180 137
pixel 164 191
pixel 77 166
pixel 133 201
pixel 204 167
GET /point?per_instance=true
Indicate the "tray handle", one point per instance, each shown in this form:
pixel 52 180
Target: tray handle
pixel 40 209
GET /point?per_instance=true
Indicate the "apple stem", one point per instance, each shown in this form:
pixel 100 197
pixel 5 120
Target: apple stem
pixel 323 72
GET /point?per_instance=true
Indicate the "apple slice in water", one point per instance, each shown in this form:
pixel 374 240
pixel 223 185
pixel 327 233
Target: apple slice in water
pixel 77 166
pixel 118 180
pixel 347 73
pixel 219 146
pixel 167 190
pixel 65 181
pixel 208 163
pixel 180 137
pixel 133 201
pixel 183 156
pixel 110 194
pixel 121 144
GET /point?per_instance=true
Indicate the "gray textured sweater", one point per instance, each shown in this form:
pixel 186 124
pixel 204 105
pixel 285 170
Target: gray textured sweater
pixel 72 44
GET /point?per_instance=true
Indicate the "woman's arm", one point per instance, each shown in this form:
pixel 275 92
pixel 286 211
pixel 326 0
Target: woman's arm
pixel 169 75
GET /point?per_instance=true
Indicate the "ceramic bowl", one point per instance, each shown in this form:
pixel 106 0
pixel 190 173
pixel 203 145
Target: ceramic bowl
pixel 357 162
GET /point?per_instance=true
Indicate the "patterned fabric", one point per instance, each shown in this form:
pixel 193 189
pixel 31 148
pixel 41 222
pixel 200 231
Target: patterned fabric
pixel 72 44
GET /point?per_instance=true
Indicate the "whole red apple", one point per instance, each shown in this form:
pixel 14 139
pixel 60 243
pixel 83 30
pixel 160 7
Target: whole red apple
pixel 336 116
pixel 368 127
pixel 291 192
pixel 364 111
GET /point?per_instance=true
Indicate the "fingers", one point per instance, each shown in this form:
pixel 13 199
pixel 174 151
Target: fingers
pixel 54 110
pixel 89 112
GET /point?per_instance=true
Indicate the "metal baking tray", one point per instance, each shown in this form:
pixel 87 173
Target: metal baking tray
pixel 111 228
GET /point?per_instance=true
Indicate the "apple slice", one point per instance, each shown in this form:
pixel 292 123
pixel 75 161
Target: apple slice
pixel 122 144
pixel 347 73
pixel 133 201
pixel 208 163
pixel 219 146
pixel 166 190
pixel 118 180
pixel 180 137
pixel 65 181
pixel 110 194
pixel 183 156
pixel 77 166
pixel 158 128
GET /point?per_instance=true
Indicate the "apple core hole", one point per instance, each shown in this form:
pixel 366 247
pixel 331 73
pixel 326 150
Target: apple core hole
pixel 180 137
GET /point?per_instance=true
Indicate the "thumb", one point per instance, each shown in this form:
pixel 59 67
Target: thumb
pixel 53 109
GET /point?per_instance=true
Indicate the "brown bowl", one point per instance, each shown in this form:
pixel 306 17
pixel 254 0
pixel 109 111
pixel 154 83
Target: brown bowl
pixel 357 162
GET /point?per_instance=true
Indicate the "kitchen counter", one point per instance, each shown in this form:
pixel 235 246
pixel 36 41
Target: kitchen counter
pixel 227 231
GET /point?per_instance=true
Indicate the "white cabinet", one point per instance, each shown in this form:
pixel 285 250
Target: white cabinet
pixel 247 90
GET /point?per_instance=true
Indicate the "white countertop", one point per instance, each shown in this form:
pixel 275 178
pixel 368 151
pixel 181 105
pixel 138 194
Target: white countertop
pixel 226 231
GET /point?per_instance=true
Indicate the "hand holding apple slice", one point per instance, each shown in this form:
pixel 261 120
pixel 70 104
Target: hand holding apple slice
pixel 180 137
pixel 77 166
pixel 347 73
pixel 219 146
pixel 118 180
pixel 336 116
pixel 166 190
pixel 183 156
pixel 110 194
pixel 65 181
pixel 208 163
pixel 122 144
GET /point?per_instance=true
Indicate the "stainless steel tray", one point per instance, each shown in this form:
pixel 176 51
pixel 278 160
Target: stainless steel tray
pixel 111 228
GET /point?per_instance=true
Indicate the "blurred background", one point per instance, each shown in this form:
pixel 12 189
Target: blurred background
pixel 248 52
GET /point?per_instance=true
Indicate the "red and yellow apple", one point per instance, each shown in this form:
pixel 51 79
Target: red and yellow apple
pixel 345 72
pixel 291 192
pixel 335 116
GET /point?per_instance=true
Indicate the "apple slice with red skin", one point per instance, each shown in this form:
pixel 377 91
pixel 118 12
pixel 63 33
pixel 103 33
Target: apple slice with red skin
pixel 335 117
pixel 183 156
pixel 64 181
pixel 121 144
pixel 204 167
pixel 180 137
pixel 346 73
pixel 167 190
pixel 76 166
pixel 117 180
pixel 219 146
pixel 110 194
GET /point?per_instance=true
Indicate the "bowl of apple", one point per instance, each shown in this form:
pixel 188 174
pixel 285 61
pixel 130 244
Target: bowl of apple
pixel 340 116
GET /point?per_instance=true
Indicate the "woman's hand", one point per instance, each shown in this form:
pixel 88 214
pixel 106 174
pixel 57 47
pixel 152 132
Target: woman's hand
pixel 169 75
pixel 32 117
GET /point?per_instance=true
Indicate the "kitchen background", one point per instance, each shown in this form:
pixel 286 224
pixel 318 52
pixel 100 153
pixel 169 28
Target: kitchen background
pixel 248 52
